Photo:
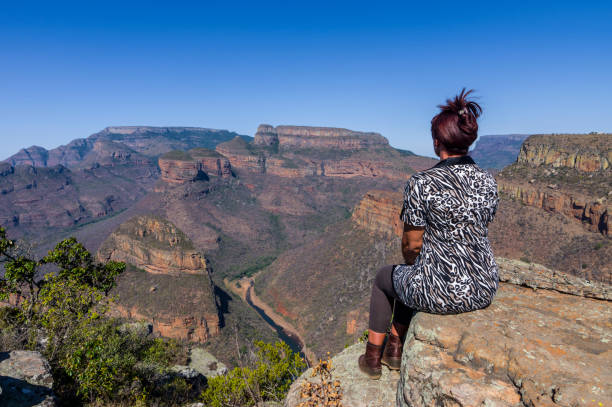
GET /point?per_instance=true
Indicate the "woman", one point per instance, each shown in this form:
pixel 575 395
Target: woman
pixel 449 263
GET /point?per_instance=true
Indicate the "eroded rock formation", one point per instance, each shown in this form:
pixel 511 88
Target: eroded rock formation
pixel 154 245
pixel 594 214
pixel 566 174
pixel 379 211
pixel 178 167
pixel 175 292
pixel 584 152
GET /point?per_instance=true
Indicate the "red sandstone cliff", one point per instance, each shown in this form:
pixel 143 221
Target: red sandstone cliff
pixel 378 212
pixel 565 174
pixel 592 213
pixel 178 167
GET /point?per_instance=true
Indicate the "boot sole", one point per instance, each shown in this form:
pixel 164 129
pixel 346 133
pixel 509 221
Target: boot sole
pixel 391 365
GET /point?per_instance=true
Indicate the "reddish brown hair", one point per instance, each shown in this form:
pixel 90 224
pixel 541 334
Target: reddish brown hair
pixel 456 126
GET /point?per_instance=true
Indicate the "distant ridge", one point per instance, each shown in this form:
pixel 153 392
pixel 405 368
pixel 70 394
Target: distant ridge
pixel 146 140
pixel 497 151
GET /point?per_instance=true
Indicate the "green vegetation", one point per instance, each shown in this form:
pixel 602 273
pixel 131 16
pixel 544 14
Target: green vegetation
pixel 252 268
pixel 267 374
pixel 62 315
pixel 97 360
pixel 177 155
pixel 203 152
pixel 406 153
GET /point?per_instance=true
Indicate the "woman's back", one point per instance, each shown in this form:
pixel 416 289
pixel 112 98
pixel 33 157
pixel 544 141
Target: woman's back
pixel 455 270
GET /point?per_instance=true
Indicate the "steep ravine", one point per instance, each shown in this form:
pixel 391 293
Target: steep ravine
pixel 245 289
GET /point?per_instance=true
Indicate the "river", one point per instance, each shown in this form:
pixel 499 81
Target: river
pixel 284 330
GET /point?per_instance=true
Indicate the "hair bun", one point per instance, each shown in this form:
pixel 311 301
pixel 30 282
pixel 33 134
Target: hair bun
pixel 456 126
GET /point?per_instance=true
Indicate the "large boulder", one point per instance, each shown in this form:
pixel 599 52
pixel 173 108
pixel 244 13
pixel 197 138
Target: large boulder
pixel 529 348
pixel 25 380
pixel 205 363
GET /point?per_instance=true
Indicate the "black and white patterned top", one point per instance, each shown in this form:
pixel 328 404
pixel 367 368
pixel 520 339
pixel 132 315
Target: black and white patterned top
pixel 455 270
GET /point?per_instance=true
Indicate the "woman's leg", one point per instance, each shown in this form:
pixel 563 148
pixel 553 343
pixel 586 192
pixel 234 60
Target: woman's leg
pixel 381 308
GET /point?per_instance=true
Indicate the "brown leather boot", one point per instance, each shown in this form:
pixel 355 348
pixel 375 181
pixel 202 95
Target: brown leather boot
pixel 392 355
pixel 369 363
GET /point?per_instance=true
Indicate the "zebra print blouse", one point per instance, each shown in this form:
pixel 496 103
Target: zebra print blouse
pixel 455 270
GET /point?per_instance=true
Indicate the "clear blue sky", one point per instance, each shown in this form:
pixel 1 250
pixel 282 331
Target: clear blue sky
pixel 69 69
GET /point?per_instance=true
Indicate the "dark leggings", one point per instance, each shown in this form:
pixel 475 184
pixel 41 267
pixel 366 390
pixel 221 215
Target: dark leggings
pixel 381 303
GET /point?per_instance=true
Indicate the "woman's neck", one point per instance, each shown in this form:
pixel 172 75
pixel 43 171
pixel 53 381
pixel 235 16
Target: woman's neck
pixel 444 155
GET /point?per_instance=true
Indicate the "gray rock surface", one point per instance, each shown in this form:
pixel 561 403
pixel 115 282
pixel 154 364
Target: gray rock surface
pixel 357 389
pixel 25 379
pixel 205 363
pixel 537 276
pixel 528 348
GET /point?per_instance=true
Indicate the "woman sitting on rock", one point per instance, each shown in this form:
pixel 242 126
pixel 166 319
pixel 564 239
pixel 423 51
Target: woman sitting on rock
pixel 449 263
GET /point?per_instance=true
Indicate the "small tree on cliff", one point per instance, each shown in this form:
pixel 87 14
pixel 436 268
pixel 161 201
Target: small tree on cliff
pixel 50 307
pixel 71 292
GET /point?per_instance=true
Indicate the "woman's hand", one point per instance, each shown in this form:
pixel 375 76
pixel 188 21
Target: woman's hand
pixel 412 241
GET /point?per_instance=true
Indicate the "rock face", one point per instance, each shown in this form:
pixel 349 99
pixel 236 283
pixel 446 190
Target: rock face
pixel 33 200
pixel 25 380
pixel 175 292
pixel 296 151
pixel 529 348
pixel 379 211
pixel 154 245
pixel 584 152
pixel 178 167
pixel 536 276
pixel 593 214
pixel 566 174
pixel 357 389
pixel 316 137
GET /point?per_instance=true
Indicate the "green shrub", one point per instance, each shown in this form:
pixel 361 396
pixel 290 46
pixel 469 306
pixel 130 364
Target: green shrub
pixel 268 376
pixel 62 315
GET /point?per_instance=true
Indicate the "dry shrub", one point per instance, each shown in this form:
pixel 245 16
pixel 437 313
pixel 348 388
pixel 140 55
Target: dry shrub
pixel 326 391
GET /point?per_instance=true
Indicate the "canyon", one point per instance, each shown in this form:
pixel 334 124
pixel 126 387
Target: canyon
pixel 305 213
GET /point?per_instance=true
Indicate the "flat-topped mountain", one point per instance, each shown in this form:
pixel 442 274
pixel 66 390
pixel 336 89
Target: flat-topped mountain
pixel 285 137
pixel 497 151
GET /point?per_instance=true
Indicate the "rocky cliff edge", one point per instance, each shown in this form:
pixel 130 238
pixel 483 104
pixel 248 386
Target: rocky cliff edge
pixel 533 346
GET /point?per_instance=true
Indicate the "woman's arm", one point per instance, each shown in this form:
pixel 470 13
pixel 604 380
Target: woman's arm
pixel 412 241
